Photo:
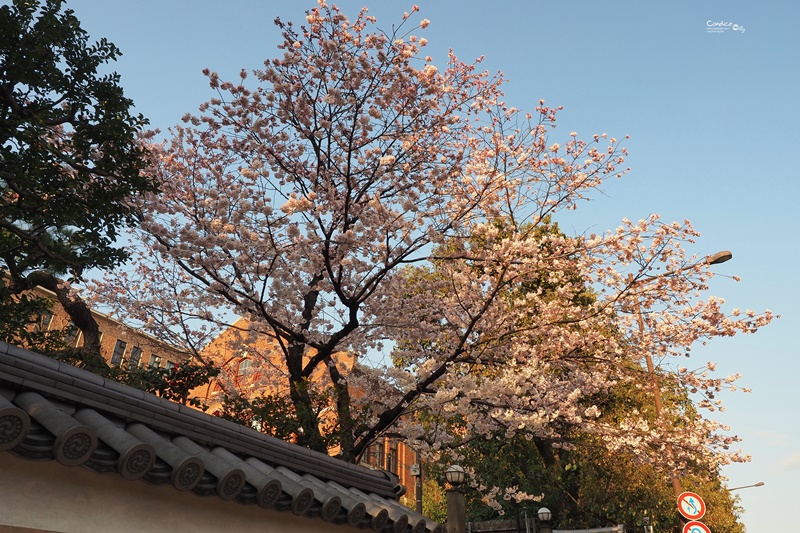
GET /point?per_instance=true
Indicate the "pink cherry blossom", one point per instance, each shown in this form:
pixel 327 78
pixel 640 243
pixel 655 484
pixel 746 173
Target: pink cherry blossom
pixel 353 200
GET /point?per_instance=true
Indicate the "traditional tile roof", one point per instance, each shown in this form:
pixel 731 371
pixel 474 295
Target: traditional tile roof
pixel 51 410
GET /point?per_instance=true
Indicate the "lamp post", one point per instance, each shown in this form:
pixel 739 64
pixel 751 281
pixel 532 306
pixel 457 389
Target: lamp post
pixel 714 259
pixel 759 484
pixel 545 516
pixel 456 509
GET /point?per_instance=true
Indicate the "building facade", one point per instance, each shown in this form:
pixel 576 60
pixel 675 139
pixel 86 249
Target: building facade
pixel 119 342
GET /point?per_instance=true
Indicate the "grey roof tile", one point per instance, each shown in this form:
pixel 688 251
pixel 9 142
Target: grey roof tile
pixel 135 434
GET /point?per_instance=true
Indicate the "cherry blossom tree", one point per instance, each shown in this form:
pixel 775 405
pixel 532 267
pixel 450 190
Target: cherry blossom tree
pixel 388 226
pixel 587 485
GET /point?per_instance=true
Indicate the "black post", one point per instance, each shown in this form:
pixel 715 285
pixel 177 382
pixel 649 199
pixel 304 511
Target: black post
pixel 456 511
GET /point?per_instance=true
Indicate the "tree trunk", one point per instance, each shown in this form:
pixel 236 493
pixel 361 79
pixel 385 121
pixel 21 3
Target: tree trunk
pixel 342 397
pixel 309 436
pixel 545 451
pixel 78 310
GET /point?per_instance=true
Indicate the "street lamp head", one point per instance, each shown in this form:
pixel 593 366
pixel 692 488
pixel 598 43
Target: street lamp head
pixel 544 514
pixel 455 475
pixel 759 484
pixel 719 257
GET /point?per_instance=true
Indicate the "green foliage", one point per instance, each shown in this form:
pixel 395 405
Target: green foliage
pixel 434 501
pixel 275 414
pixel 271 414
pixel 84 359
pixel 586 485
pixel 69 155
pixel 173 384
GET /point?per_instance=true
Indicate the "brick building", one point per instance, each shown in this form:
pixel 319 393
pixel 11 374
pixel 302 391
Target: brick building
pixel 118 343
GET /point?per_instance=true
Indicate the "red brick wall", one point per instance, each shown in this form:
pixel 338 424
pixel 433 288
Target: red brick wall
pixel 113 330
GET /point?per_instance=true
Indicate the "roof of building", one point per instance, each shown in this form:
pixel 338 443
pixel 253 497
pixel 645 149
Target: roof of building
pixel 51 410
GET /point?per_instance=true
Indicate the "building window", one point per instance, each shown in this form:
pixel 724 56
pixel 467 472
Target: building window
pixel 135 358
pixel 378 455
pixel 244 366
pixel 374 455
pixel 43 324
pixel 119 352
pixel 71 335
pixel 170 365
pixel 155 361
pixel 391 458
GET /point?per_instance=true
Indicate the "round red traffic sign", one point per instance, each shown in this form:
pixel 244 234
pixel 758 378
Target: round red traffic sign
pixel 691 506
pixel 695 527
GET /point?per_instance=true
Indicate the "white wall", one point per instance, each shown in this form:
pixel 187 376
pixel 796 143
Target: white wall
pixel 49 496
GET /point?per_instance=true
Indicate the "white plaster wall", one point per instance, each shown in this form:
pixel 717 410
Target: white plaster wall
pixel 49 496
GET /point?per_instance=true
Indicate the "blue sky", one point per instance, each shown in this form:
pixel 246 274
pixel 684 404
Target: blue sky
pixel 712 119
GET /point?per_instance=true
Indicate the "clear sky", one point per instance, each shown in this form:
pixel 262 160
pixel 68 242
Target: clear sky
pixel 712 118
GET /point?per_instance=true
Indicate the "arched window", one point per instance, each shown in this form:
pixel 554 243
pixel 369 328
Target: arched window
pixel 244 366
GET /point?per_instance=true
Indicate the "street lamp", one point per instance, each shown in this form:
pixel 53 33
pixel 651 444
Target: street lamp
pixel 544 519
pixel 759 484
pixel 455 475
pixel 713 259
pixel 719 257
pixel 456 509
